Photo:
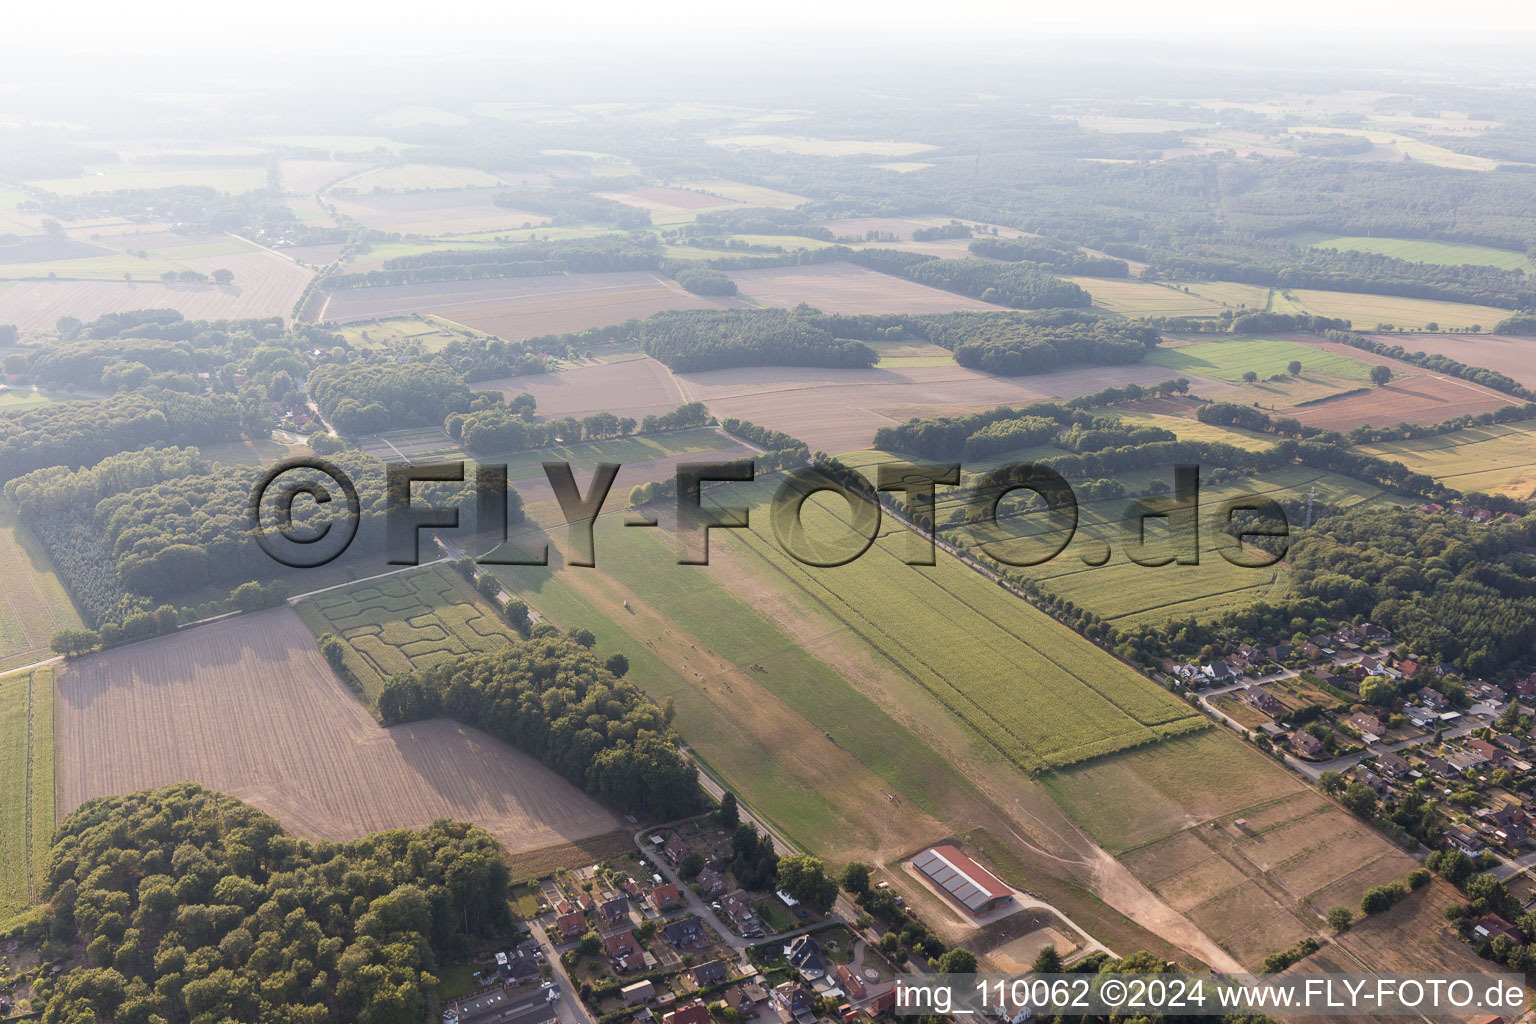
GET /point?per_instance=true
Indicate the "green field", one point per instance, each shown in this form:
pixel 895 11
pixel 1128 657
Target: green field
pixel 1416 250
pixel 405 334
pixel 1229 360
pixel 1497 459
pixel 33 603
pixel 405 622
pixel 1230 294
pixel 623 450
pixel 1034 689
pixel 1122 591
pixel 771 716
pixel 26 785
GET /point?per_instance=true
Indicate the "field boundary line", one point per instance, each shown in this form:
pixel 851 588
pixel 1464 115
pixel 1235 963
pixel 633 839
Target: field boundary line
pixel 296 598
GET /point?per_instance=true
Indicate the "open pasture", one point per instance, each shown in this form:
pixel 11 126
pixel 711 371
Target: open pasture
pixel 1416 250
pixel 26 785
pixel 525 307
pixel 1366 312
pixel 265 284
pixel 846 288
pixel 406 333
pixel 1496 459
pixel 248 706
pixel 1130 297
pixel 405 622
pixel 1230 294
pixel 1229 360
pixel 33 602
pixel 307 177
pixel 446 212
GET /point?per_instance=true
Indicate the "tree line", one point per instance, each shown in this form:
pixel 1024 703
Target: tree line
pixel 552 699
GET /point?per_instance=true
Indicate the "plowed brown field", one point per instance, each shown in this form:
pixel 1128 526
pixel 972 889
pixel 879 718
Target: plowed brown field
pixel 249 707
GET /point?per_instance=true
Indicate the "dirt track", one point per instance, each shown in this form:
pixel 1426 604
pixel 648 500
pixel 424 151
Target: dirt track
pixel 248 706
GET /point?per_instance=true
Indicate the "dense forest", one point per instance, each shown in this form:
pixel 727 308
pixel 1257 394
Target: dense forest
pixel 715 339
pixel 553 699
pixel 192 906
pixel 1050 254
pixel 602 254
pixel 80 433
pixel 365 397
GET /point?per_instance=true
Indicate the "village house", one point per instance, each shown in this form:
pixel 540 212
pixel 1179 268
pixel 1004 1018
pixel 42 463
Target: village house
pixel 1434 700
pixel 1464 837
pixel 1491 925
pixel 1488 750
pixel 1307 745
pixel 639 992
pixel 572 924
pixel 1367 725
pixel 615 910
pixel 852 984
pixel 739 910
pixel 711 973
pixel 1219 673
pixel 664 897
pixel 694 1013
pixel 1389 764
pixel 710 882
pixel 1262 700
pixel 685 932
pixel 804 955
pixel 794 1002
pixel 674 848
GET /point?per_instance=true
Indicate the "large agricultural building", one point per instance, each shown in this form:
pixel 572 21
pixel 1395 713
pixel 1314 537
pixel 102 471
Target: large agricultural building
pixel 967 883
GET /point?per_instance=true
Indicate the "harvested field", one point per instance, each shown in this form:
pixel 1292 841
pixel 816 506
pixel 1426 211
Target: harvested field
pixel 1496 459
pixel 751 195
pixel 1130 297
pixel 306 177
pixel 807 146
pixel 1255 887
pixel 249 707
pixel 1229 360
pixel 840 410
pixel 402 623
pixel 670 205
pixel 33 602
pixel 1368 311
pixel 846 288
pixel 265 284
pixel 1513 356
pixel 630 387
pixel 421 178
pixel 446 212
pixel 1403 940
pixel 1421 399
pixel 26 785
pixel 525 307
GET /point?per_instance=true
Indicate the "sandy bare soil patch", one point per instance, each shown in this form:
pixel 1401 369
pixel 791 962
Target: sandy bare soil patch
pixel 845 288
pixel 1512 356
pixel 630 387
pixel 840 410
pixel 265 285
pixel 526 307
pixel 248 706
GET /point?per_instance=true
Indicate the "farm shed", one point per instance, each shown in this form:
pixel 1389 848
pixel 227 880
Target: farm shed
pixel 968 883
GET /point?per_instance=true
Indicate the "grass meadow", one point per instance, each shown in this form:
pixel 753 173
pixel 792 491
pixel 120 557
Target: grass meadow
pixel 1416 250
pixel 1497 459
pixel 26 785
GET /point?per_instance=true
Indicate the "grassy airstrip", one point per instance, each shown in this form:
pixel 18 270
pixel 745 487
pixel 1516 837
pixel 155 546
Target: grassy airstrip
pixel 26 784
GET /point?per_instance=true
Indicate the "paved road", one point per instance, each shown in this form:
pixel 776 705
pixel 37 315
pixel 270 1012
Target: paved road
pixel 570 1006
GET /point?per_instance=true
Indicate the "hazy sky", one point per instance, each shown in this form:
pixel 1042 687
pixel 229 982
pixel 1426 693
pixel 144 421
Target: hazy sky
pixel 41 26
